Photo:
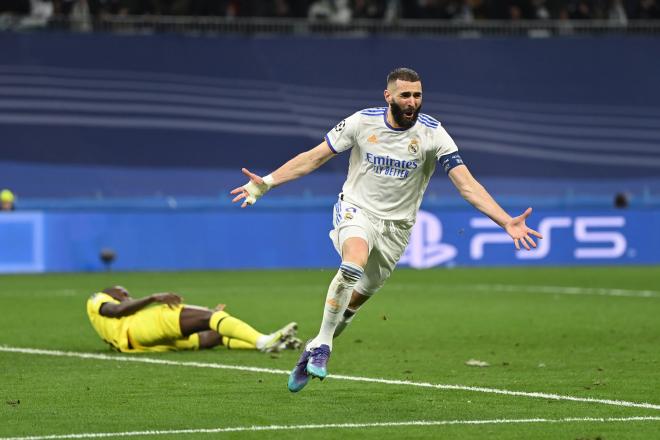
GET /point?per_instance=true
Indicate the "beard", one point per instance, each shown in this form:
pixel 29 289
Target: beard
pixel 399 115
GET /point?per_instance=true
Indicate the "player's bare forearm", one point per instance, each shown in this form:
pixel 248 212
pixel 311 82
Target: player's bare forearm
pixel 125 308
pixel 299 166
pixel 302 164
pixel 483 201
pixel 475 194
pixel 131 306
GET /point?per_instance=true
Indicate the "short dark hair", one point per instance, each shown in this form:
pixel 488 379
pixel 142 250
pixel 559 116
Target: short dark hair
pixel 115 290
pixel 404 74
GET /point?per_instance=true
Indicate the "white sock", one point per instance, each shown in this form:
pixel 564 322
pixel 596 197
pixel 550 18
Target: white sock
pixel 339 295
pixel 263 340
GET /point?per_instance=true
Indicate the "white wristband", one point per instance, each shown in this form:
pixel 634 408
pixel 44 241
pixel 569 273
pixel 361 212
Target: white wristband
pixel 268 180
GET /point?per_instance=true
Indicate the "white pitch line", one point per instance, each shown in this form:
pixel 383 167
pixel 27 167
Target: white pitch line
pixel 563 290
pixel 335 426
pixel 147 360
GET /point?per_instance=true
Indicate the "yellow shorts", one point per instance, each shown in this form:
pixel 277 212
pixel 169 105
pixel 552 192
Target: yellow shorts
pixel 156 328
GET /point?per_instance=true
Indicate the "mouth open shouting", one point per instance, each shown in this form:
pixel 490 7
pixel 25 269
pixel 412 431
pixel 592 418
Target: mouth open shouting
pixel 405 117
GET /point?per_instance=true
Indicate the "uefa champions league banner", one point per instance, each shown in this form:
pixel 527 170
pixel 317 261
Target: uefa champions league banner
pixel 277 238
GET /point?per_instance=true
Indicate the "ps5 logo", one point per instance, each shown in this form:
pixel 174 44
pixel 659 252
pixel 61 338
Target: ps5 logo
pixel 425 249
pixel 604 244
pixel 593 237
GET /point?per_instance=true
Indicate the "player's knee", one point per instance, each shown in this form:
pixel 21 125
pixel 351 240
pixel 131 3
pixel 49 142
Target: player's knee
pixel 350 272
pixel 209 339
pixel 355 250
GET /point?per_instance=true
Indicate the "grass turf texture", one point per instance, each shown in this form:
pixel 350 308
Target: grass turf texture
pixel 421 327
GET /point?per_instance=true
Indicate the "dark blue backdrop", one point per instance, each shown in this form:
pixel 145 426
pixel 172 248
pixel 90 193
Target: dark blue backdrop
pixel 91 115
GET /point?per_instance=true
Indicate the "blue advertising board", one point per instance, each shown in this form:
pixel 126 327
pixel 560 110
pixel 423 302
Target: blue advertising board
pixel 22 242
pixel 570 238
pixel 277 238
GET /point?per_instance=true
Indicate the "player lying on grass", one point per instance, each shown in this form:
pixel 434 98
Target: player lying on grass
pixel 394 152
pixel 161 322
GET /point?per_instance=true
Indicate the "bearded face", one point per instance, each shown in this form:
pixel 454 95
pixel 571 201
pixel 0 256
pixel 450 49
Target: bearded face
pixel 405 117
pixel 405 102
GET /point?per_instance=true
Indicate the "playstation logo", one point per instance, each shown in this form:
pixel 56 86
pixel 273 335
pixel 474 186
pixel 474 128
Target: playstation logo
pixel 425 248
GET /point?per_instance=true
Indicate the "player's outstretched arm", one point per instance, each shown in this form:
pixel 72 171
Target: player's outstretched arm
pixel 299 166
pixel 130 306
pixel 477 196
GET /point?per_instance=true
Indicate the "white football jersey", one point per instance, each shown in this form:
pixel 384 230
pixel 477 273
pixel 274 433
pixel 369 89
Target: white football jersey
pixel 389 168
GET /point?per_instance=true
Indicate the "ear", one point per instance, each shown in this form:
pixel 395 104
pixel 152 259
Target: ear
pixel 387 95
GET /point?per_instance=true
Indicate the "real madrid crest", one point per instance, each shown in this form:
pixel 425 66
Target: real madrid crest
pixel 413 148
pixel 348 216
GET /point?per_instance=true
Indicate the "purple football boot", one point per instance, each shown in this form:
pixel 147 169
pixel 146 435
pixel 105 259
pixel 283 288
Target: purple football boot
pixel 299 377
pixel 318 362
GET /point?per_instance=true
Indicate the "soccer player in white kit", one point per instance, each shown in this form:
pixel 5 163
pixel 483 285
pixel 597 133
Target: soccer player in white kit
pixel 394 151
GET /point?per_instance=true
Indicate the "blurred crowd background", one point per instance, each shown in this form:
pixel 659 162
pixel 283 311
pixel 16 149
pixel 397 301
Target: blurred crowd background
pixel 344 11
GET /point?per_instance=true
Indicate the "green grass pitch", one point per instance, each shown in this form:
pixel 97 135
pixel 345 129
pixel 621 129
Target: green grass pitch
pixel 579 332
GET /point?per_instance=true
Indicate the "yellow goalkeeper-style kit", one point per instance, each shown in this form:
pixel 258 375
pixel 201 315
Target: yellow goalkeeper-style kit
pixel 153 328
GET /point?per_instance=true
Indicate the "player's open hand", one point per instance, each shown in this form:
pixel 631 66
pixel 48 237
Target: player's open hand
pixel 519 231
pixel 251 191
pixel 171 299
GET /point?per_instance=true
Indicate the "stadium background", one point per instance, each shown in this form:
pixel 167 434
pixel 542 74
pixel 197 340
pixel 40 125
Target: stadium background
pixel 130 141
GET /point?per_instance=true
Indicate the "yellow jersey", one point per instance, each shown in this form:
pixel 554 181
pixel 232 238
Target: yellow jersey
pixel 114 331
pixel 153 328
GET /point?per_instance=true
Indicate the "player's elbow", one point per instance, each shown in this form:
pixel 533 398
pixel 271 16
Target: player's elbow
pixel 110 310
pixel 310 161
pixel 467 187
pixel 316 162
pixel 466 190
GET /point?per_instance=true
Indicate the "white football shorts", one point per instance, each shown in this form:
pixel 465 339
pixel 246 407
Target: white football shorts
pixel 387 241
